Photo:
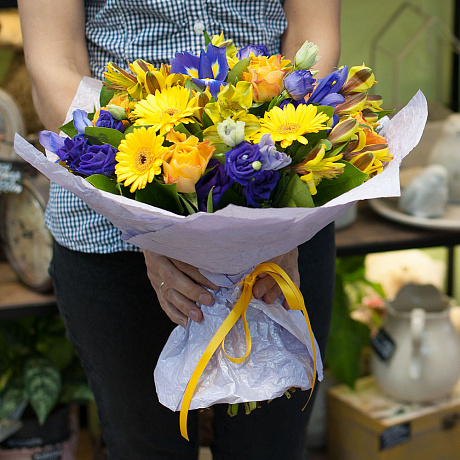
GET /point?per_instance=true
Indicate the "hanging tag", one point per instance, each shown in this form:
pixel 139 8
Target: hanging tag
pixel 395 435
pixel 383 345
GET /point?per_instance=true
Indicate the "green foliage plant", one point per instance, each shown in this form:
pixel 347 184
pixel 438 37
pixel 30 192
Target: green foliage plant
pixel 38 367
pixel 348 337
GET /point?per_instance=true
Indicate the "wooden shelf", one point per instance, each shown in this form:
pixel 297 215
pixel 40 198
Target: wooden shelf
pixel 17 300
pixel 372 233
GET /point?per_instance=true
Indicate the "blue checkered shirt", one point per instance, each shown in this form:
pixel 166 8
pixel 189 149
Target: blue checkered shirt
pixel 124 30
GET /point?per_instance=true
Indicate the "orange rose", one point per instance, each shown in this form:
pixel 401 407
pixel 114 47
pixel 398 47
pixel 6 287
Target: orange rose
pixel 185 161
pixel 266 75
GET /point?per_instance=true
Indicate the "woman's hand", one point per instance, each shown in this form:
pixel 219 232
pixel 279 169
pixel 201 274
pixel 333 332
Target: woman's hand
pixel 267 288
pixel 178 286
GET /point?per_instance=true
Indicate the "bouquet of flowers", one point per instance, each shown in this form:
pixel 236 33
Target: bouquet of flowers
pixel 227 127
pixel 196 158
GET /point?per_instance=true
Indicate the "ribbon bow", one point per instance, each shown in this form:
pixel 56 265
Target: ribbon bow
pixel 295 300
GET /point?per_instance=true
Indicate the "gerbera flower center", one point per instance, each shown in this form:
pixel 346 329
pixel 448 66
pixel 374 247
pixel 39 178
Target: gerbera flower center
pixel 170 111
pixel 288 128
pixel 143 159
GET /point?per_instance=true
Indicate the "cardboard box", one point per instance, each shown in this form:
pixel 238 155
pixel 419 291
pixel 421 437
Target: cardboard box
pixel 365 424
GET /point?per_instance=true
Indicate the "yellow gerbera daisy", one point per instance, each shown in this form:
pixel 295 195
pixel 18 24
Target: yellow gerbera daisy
pixel 166 109
pixel 289 124
pixel 139 158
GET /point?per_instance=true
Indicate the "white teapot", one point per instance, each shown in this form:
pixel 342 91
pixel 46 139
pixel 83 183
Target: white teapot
pixel 416 355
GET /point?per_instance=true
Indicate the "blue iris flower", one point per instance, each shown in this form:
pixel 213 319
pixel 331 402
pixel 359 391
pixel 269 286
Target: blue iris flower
pixel 208 69
pixel 326 91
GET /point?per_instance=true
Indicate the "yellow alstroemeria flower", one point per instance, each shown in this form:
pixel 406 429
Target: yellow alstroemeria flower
pixel 122 81
pixel 360 78
pixel 315 167
pixel 232 100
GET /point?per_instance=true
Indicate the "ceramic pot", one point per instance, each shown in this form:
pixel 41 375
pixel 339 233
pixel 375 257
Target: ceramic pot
pixel 421 359
pixel 55 440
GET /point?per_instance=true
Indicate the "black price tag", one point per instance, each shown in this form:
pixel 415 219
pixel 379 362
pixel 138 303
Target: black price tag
pixel 383 345
pixel 395 435
pixel 10 178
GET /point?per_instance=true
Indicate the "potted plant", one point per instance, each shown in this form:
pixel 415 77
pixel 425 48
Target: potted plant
pixel 40 379
pixel 356 317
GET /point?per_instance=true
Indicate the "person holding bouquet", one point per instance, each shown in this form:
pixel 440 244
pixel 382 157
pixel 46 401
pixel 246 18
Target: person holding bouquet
pixel 110 295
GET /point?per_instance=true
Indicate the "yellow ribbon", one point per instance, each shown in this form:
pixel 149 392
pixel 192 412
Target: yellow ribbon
pixel 294 299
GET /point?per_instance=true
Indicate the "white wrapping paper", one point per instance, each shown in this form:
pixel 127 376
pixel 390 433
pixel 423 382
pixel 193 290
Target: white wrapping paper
pixel 225 246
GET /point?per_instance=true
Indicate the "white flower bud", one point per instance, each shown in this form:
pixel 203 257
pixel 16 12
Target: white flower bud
pixel 306 57
pixel 117 112
pixel 256 165
pixel 231 132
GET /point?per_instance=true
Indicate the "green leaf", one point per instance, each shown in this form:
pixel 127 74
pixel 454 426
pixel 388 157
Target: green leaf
pixel 181 128
pixel 106 95
pixel 59 351
pixel 105 183
pixel 329 189
pixel 101 136
pixel 237 72
pixel 162 196
pixel 300 152
pixel 69 129
pixel 383 113
pixel 351 268
pixel 328 110
pixel 190 85
pixel 189 202
pixel 347 339
pixel 207 38
pixel 207 122
pixel 219 153
pixel 231 196
pixel 11 399
pixel 209 204
pixel 76 393
pixel 259 109
pixel 278 99
pixel 43 386
pixel 296 194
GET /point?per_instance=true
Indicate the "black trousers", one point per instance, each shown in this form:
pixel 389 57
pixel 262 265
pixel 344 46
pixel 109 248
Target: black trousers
pixel 114 319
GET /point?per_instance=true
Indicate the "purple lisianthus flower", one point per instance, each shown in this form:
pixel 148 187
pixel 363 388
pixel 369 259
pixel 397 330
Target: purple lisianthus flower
pixel 299 83
pixel 72 150
pixel 50 141
pixel 87 159
pixel 240 162
pixel 215 177
pixel 81 121
pixel 270 158
pixel 328 87
pixel 257 50
pixel 97 159
pixel 106 120
pixel 260 188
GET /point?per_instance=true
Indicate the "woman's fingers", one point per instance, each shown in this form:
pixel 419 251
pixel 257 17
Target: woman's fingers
pixel 266 288
pixel 178 287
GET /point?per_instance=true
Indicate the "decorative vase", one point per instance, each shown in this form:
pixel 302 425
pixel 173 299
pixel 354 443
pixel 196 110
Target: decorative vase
pixel 416 355
pixel 56 439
